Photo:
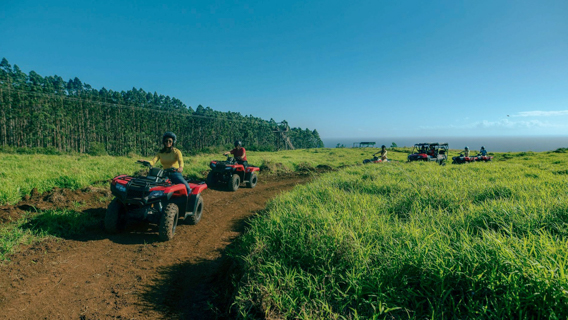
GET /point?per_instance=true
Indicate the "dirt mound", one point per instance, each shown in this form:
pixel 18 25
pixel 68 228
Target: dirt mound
pixel 89 197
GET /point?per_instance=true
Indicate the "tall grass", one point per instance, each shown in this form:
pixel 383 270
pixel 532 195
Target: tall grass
pixel 418 241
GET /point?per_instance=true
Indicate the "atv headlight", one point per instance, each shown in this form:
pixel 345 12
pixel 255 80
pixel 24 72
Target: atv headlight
pixel 228 168
pixel 120 187
pixel 213 165
pixel 155 194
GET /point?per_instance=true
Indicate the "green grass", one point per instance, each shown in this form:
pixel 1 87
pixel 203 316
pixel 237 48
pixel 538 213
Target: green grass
pixel 418 241
pixel 22 173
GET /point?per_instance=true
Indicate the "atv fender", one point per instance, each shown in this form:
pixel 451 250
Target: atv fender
pixel 191 204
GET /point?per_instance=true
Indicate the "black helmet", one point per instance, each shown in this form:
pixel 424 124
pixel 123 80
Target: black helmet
pixel 482 147
pixel 238 143
pixel 169 134
pixel 467 148
pixel 383 146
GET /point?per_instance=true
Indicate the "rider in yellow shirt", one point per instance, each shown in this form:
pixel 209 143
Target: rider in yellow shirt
pixel 171 157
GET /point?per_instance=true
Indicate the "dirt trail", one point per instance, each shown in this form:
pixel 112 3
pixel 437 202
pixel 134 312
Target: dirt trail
pixel 131 275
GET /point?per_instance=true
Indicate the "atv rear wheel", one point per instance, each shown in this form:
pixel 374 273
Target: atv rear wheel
pixel 168 222
pixel 197 212
pixel 234 183
pixel 252 180
pixel 115 217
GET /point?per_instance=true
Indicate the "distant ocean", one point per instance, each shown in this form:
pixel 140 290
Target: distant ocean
pixel 497 144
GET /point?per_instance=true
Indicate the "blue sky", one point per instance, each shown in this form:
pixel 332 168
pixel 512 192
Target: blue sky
pixel 346 68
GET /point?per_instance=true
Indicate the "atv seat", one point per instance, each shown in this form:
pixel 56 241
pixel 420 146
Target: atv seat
pixel 154 174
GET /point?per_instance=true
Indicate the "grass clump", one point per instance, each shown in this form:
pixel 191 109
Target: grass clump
pixel 411 241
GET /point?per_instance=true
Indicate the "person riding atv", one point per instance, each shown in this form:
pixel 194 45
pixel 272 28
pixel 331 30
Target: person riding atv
pixel 376 159
pixel 383 153
pixel 466 152
pixel 239 153
pixel 170 157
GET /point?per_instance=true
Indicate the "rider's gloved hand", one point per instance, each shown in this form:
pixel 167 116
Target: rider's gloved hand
pixel 180 170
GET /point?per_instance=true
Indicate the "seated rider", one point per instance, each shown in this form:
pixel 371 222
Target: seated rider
pixel 483 152
pixel 432 151
pixel 466 152
pixel 383 153
pixel 171 157
pixel 239 153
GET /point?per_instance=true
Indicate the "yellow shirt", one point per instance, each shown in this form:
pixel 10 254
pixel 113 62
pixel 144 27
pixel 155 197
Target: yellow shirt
pixel 172 159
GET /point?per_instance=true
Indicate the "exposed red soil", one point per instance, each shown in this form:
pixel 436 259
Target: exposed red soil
pixel 131 275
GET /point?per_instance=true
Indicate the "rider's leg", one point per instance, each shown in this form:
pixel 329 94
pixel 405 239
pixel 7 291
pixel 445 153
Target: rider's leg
pixel 177 178
pixel 244 163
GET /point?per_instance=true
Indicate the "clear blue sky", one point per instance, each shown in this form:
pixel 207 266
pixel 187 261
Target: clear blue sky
pixel 345 68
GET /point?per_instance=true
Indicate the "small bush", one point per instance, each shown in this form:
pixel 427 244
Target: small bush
pixel 97 149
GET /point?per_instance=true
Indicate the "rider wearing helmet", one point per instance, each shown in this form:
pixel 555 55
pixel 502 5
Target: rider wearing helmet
pixel 483 152
pixel 239 153
pixel 171 157
pixel 466 152
pixel 383 153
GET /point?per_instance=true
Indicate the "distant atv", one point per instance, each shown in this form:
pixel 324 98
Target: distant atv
pixel 429 152
pixel 463 159
pixel 375 159
pixel 153 198
pixel 229 173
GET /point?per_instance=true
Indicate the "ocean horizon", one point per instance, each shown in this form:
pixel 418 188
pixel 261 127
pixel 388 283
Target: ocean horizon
pixel 497 144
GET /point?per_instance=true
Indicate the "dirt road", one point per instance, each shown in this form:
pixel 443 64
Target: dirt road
pixel 133 275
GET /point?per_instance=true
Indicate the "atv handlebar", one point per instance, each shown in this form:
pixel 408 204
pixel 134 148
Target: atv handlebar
pixel 144 163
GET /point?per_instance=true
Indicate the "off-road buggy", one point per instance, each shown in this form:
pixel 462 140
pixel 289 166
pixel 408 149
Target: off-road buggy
pixel 153 198
pixel 231 174
pixel 429 152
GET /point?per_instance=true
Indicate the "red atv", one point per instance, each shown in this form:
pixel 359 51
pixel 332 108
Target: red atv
pixel 375 159
pixel 155 199
pixel 231 174
pixel 463 159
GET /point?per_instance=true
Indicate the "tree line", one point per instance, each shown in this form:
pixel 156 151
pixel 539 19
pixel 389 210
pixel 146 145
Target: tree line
pixel 71 116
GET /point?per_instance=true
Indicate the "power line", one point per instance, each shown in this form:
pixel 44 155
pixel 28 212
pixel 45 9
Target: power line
pixel 116 105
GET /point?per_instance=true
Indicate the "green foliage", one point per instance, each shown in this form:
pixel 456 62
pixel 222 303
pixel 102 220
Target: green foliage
pixel 71 116
pixel 419 241
pixel 394 145
pixel 97 149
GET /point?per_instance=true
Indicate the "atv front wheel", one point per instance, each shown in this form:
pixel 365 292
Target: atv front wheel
pixel 115 217
pixel 234 182
pixel 197 211
pixel 252 180
pixel 168 222
pixel 211 181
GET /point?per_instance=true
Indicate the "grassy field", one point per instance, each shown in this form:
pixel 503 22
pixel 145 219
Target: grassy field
pixel 381 241
pixel 22 173
pixel 418 241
